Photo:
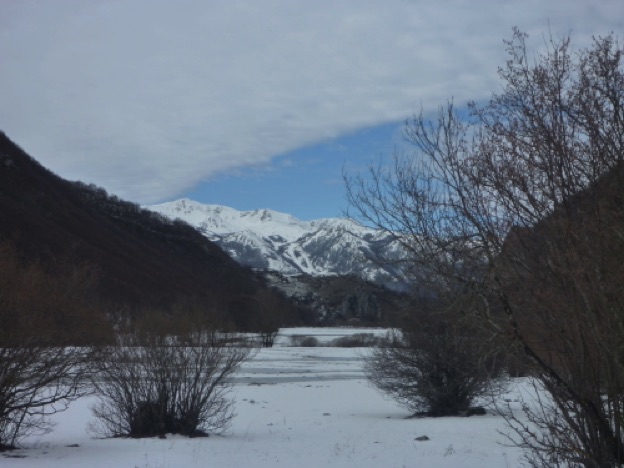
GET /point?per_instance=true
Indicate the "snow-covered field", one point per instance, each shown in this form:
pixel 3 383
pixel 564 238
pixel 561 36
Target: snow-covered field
pixel 296 407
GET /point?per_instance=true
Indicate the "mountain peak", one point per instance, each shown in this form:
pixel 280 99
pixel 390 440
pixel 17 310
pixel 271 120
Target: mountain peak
pixel 269 240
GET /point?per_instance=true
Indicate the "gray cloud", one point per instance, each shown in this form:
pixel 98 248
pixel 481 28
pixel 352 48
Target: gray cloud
pixel 149 97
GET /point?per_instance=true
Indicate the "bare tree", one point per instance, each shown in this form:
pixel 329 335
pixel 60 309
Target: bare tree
pixel 46 344
pixel 521 204
pixel 166 380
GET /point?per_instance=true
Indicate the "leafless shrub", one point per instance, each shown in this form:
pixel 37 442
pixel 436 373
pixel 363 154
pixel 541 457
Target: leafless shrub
pixel 357 340
pixel 435 365
pixel 303 341
pixel 37 381
pixel 554 433
pixel 45 344
pixel 152 384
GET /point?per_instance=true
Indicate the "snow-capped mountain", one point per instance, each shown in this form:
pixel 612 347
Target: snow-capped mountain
pixel 269 240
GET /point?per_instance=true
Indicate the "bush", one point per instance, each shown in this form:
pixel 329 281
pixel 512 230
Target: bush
pixel 35 382
pixel 357 340
pixel 436 365
pixel 303 341
pixel 45 343
pixel 153 384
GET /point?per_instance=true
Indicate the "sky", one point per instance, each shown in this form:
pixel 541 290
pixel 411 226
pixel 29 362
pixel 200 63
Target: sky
pixel 251 103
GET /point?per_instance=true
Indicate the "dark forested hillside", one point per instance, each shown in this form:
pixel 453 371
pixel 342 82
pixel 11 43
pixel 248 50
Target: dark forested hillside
pixel 142 260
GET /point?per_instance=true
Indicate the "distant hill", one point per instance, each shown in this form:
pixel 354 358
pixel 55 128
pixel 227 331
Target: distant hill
pixel 143 260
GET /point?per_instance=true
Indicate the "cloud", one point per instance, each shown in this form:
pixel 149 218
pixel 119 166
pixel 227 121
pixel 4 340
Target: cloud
pixel 149 97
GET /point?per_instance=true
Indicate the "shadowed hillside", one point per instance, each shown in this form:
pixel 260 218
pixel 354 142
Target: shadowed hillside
pixel 142 260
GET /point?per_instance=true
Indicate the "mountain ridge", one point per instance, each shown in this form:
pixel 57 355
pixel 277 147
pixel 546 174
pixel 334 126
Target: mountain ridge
pixel 269 240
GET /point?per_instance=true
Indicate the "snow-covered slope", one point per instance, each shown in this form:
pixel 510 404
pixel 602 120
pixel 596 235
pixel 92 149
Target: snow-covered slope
pixel 270 240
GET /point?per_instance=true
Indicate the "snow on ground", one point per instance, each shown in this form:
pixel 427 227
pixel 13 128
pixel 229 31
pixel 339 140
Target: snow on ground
pixel 297 407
